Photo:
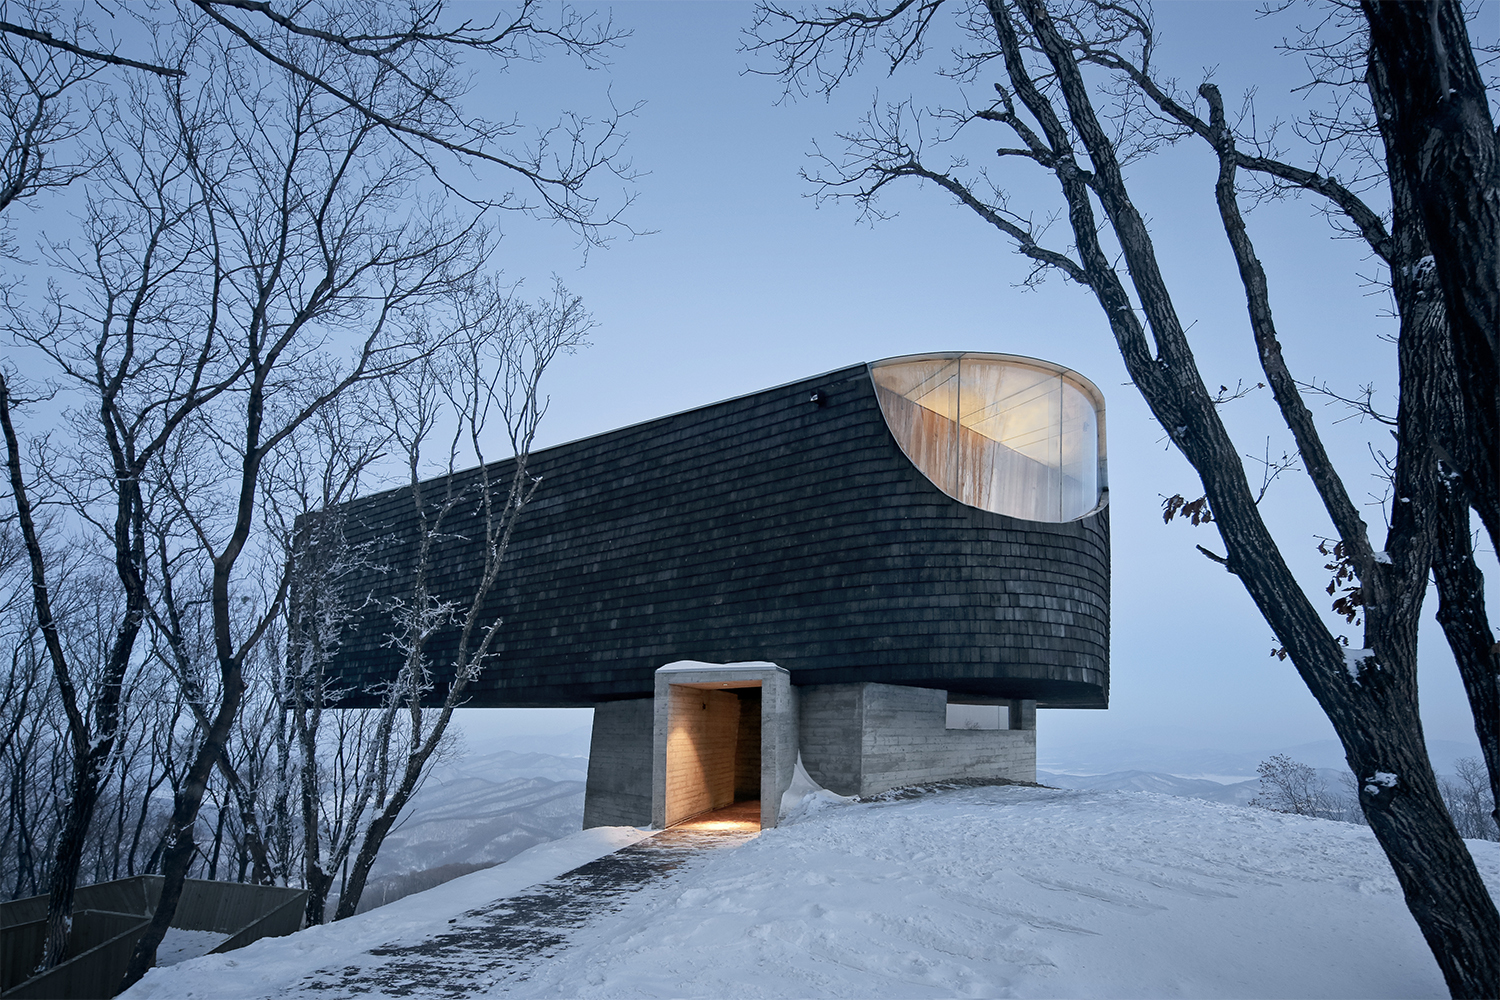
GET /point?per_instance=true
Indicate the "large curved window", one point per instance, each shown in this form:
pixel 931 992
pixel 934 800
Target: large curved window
pixel 1002 433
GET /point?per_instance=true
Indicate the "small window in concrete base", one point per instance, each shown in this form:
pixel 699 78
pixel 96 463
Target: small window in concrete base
pixel 978 717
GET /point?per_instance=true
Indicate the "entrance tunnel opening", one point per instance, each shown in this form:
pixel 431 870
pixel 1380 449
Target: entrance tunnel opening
pixel 713 756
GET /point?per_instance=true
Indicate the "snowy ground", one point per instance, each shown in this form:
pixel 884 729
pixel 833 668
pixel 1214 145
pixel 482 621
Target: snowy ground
pixel 984 892
pixel 272 967
pixel 180 945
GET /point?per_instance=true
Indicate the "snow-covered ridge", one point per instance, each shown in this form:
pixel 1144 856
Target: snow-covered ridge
pixel 1001 891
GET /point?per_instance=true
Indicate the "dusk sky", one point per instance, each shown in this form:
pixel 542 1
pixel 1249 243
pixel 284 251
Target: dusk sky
pixel 740 280
pixel 745 282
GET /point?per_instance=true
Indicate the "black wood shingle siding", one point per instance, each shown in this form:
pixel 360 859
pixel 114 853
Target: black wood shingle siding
pixel 763 528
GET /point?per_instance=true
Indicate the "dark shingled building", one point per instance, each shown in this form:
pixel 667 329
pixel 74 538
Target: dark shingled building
pixel 886 569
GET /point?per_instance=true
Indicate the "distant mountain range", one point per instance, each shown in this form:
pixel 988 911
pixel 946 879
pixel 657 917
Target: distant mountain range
pixel 479 818
pixel 1238 793
pixel 571 743
pixel 476 812
pixel 1104 758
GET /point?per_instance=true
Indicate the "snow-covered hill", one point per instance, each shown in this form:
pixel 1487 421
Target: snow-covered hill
pixel 478 811
pixel 486 809
pixel 982 892
pixel 1235 793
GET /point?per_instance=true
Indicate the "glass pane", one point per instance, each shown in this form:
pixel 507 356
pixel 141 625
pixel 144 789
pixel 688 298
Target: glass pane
pixel 996 433
pixel 920 400
pixel 1009 443
pixel 1080 454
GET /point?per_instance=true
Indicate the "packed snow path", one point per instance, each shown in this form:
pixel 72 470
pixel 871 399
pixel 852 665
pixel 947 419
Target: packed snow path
pixel 501 943
pixel 984 892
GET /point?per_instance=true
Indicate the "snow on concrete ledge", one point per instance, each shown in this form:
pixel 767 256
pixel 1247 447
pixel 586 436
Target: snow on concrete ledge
pixel 681 666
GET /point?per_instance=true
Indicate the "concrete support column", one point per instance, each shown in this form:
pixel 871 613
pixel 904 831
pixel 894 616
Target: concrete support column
pixel 1023 714
pixel 618 792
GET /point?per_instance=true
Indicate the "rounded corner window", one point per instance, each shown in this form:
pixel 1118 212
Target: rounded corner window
pixel 1006 434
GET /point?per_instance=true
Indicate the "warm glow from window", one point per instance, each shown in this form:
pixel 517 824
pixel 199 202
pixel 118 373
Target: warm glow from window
pixel 1001 433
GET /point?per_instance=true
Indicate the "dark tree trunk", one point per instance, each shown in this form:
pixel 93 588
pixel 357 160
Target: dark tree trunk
pixel 68 857
pixel 1461 439
pixel 1465 622
pixel 1371 700
pixel 213 856
pixel 1439 137
pixel 318 881
pixel 375 834
pixel 91 745
pixel 177 859
pixel 252 844
pixel 369 848
pixel 120 809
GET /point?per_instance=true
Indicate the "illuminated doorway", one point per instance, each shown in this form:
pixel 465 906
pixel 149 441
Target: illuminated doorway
pixel 725 737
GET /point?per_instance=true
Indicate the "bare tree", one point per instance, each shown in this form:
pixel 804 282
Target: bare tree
pixel 553 172
pixel 326 759
pixel 28 743
pixel 221 260
pixel 44 98
pixel 1083 134
pixel 311 227
pixel 1290 786
pixel 182 646
pixel 1469 800
pixel 493 372
pixel 93 717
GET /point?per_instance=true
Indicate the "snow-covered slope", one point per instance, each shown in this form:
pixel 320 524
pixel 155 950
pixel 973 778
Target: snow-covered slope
pixel 272 967
pixel 474 812
pixel 1023 892
pixel 485 810
pixel 981 892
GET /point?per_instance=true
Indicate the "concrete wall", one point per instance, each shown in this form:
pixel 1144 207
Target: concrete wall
pixel 747 746
pixel 618 792
pixel 832 728
pixel 862 739
pixel 666 759
pixel 702 732
pixel 778 745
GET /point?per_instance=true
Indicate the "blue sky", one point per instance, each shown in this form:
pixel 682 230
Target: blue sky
pixel 746 282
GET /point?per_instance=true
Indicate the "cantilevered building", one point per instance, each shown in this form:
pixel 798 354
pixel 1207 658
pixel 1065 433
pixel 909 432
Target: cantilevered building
pixel 885 568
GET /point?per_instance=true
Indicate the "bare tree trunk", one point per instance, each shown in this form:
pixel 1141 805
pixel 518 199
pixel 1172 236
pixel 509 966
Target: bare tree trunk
pixel 1440 138
pixel 177 859
pixel 218 844
pixel 91 749
pixel 522 341
pixel 172 627
pixel 1443 157
pixel 318 881
pixel 1370 700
